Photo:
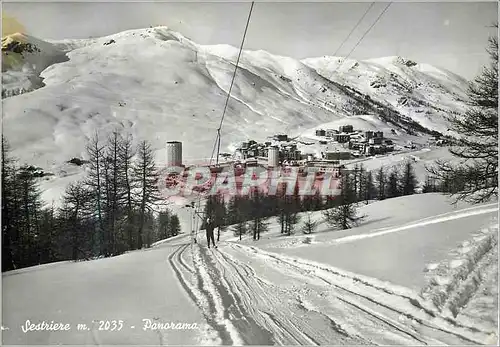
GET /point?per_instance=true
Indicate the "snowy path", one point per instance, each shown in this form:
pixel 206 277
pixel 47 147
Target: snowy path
pixel 293 301
pixel 131 287
pixel 244 309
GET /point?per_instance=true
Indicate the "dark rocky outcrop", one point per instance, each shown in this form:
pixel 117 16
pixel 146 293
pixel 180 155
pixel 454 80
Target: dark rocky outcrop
pixel 20 47
pixel 77 161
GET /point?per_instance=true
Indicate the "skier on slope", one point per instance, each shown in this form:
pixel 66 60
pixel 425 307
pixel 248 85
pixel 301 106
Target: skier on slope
pixel 210 232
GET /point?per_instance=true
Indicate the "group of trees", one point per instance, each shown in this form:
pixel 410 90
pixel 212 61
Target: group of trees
pixel 116 207
pixel 360 186
pixel 247 214
pixel 250 214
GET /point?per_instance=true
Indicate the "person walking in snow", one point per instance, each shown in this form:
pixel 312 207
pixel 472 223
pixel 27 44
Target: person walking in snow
pixel 210 232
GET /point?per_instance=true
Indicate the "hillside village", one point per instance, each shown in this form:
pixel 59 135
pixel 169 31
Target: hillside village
pixel 328 148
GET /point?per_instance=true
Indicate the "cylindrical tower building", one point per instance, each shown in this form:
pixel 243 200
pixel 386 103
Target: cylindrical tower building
pixel 273 156
pixel 174 153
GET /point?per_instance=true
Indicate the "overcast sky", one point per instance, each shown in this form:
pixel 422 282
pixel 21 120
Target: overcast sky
pixel 448 34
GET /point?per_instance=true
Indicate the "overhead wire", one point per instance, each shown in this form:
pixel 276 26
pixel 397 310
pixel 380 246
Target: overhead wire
pixel 357 43
pixel 218 135
pixel 354 28
pixel 232 82
pixel 348 36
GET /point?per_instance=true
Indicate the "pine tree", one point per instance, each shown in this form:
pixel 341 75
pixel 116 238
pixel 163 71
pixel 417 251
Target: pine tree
pixel 125 155
pixel 288 207
pixel 281 208
pixel 220 215
pixel 476 146
pixel 309 225
pixel 174 225
pixel 113 190
pixel 429 185
pixel 355 180
pixel 215 209
pixel 258 223
pixel 381 184
pixel 74 210
pixel 164 224
pixel 344 215
pixel 49 229
pixel 95 183
pixel 145 178
pixel 30 207
pixel 9 212
pixel 238 210
pixel 393 189
pixel 148 228
pixel 240 229
pixel 408 179
pixel 312 202
pixel 292 209
pixel 370 192
pixel 362 184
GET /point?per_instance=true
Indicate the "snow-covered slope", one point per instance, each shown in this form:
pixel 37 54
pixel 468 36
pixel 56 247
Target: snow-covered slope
pixel 23 59
pixel 422 92
pixel 366 285
pixel 158 85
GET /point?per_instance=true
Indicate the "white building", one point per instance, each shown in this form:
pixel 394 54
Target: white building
pixel 174 153
pixel 273 156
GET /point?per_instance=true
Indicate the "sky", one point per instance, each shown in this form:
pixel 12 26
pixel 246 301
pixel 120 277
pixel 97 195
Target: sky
pixel 451 35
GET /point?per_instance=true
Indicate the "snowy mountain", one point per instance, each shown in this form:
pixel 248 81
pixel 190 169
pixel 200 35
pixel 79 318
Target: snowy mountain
pixel 23 59
pixel 424 93
pixel 159 85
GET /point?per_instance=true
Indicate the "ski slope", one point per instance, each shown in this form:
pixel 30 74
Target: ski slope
pixel 132 287
pixel 270 292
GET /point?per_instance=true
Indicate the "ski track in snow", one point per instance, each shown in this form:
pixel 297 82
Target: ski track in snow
pixel 398 302
pixel 464 286
pixel 220 308
pixel 328 306
pixel 423 222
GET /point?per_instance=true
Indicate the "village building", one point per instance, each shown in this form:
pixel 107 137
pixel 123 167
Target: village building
pixel 341 137
pixel 346 128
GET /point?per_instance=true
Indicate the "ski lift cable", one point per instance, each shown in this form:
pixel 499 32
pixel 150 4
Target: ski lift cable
pixel 347 38
pixel 218 136
pixel 369 29
pixel 354 28
pixel 231 86
pixel 359 41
